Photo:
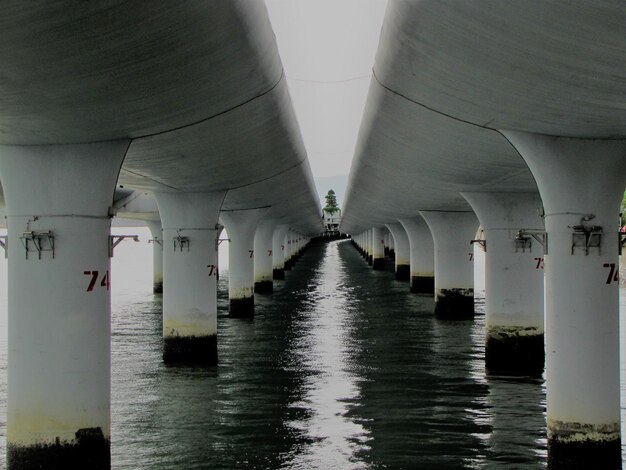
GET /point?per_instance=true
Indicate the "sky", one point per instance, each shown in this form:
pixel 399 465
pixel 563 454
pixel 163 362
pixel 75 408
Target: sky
pixel 327 48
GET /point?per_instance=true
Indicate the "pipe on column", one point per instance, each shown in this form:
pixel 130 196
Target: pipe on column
pixel 514 342
pixel 157 255
pixel 422 255
pixel 454 269
pixel 190 276
pixel 241 226
pixel 58 200
pixel 581 182
pixel 278 252
pixel 401 250
pixel 263 257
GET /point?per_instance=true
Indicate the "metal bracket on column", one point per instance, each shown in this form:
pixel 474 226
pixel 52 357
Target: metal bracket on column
pixel 181 242
pixel 482 243
pixel 523 241
pixel 157 241
pixel 587 236
pixel 4 243
pixel 38 240
pixel 219 241
pixel 115 240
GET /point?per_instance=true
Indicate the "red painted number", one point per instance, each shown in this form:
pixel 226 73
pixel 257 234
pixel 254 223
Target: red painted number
pixel 539 263
pixel 212 269
pixel 471 256
pixel 613 273
pixel 105 282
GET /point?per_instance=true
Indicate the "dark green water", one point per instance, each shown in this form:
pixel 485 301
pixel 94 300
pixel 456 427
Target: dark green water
pixel 341 368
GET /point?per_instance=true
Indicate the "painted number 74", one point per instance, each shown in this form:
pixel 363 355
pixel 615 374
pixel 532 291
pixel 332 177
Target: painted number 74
pixel 104 282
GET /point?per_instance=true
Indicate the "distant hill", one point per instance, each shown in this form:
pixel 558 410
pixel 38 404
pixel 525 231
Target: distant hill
pixel 337 183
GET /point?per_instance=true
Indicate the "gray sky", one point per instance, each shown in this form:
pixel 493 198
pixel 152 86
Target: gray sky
pixel 328 48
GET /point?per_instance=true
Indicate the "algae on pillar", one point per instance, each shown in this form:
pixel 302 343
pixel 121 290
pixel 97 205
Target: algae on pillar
pixel 58 200
pixel 190 276
pixel 581 183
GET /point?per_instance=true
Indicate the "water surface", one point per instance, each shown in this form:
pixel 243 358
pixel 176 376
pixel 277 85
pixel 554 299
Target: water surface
pixel 341 368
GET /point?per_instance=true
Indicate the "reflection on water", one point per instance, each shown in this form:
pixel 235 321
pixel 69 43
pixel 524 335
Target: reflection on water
pixel 341 368
pixel 321 352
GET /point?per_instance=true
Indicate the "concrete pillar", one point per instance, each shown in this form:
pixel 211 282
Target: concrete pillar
pixel 454 269
pixel 378 248
pixel 58 201
pixel 278 252
pixel 218 235
pixel 190 276
pixel 402 251
pixel 369 247
pixel 392 246
pixel 514 281
pixel 295 247
pixel 581 183
pixel 241 226
pixel 288 250
pixel 386 236
pixel 422 255
pixel 157 255
pixel 263 258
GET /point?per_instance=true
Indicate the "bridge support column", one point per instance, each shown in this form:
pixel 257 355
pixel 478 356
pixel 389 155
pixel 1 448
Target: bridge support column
pixel 241 226
pixel 278 252
pixel 422 255
pixel 392 246
pixel 514 281
pixel 157 255
pixel 386 236
pixel 59 307
pixel 402 251
pixel 454 270
pixel 369 247
pixel 581 183
pixel 263 257
pixel 288 250
pixel 190 276
pixel 378 248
